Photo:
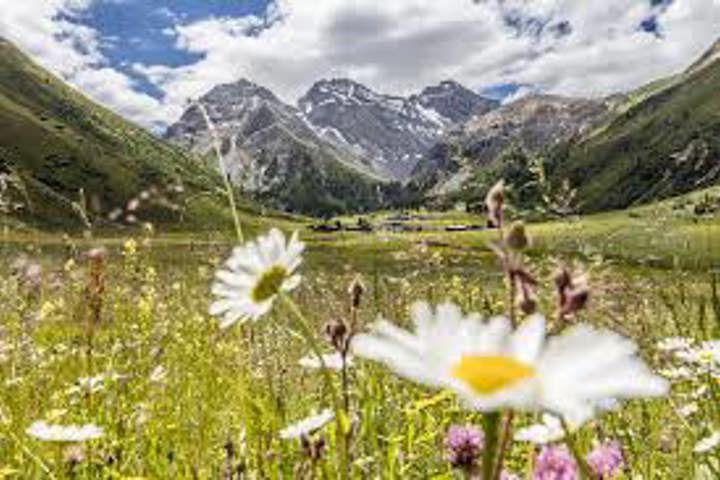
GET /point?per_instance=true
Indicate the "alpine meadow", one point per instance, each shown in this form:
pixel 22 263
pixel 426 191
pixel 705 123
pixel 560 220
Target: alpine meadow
pixel 278 239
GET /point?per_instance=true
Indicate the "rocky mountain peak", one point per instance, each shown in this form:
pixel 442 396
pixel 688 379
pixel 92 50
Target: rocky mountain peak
pixel 454 102
pixel 238 91
pixel 393 132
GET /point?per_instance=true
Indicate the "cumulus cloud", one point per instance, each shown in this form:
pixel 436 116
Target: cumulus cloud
pixel 50 31
pixel 569 47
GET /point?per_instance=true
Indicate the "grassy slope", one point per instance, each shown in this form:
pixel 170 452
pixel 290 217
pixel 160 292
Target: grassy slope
pixel 630 161
pixel 58 142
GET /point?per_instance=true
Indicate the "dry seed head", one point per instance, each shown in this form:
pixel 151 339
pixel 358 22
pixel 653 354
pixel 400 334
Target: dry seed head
pixel 576 300
pixel 313 448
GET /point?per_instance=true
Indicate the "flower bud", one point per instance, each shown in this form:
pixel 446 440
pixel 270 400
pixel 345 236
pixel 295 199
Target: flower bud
pixel 495 201
pixel 527 304
pixel 516 238
pixel 463 445
pixel 576 300
pixel 356 291
pixel 338 334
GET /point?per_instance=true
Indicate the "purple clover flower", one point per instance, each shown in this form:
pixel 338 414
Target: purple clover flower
pixel 463 445
pixel 606 460
pixel 555 463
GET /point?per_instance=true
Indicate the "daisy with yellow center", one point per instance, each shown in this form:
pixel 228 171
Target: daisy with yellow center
pixel 491 367
pixel 254 275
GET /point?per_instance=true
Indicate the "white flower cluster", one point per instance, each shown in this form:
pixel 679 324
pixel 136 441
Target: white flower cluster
pixel 692 359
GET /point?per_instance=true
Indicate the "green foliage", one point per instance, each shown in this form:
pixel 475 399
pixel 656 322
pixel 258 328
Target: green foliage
pixel 666 144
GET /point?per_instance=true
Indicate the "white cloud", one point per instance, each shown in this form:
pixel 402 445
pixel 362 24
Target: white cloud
pixel 46 30
pixel 393 46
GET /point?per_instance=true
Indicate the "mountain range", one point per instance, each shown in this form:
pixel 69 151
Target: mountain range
pixel 345 147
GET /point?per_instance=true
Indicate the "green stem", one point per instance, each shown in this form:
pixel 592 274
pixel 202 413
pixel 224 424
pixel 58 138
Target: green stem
pixel 570 440
pixel 490 427
pixel 307 333
pixel 223 170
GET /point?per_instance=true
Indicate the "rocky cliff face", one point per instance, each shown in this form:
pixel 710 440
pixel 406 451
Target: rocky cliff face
pixel 393 133
pixel 534 122
pixel 272 152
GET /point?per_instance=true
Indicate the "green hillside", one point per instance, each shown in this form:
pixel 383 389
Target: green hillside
pixel 667 143
pixel 66 162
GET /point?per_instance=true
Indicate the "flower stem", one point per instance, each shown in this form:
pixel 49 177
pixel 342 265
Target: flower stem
pixel 504 442
pixel 570 439
pixel 307 333
pixel 490 427
pixel 223 170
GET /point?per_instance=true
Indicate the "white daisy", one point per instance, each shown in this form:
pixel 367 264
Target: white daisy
pixel 551 429
pixel 307 426
pixel 491 367
pixel 708 443
pixel 677 373
pixel 687 410
pixel 705 357
pixel 64 433
pixel 672 344
pixel 253 276
pixel 548 431
pixel 333 361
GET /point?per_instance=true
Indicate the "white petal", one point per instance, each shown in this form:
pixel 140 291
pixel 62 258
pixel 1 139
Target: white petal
pixel 528 339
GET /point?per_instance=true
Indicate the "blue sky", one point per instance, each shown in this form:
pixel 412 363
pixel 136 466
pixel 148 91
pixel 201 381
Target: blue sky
pixel 145 58
pixel 137 31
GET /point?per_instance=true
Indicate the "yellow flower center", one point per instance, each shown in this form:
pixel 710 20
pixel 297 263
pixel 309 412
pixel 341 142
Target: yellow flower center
pixel 487 375
pixel 269 283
